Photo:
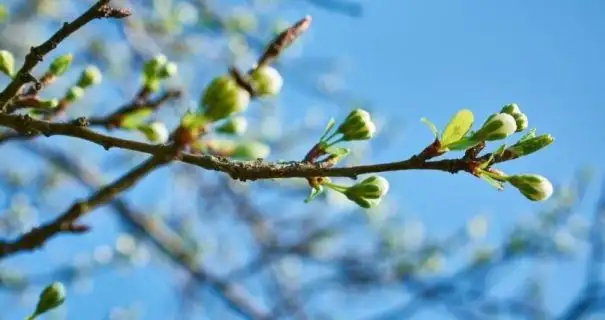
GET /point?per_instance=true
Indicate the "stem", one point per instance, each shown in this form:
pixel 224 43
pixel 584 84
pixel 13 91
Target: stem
pixel 335 187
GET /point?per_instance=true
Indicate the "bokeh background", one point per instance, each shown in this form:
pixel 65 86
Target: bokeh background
pixel 440 246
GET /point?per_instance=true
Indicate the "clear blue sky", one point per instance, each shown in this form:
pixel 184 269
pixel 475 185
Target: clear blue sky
pixel 431 58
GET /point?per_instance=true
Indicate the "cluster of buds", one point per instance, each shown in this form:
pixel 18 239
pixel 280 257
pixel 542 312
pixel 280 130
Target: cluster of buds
pixel 156 69
pixel 51 297
pixel 7 63
pixel 500 125
pixel 520 117
pixel 89 77
pixel 357 126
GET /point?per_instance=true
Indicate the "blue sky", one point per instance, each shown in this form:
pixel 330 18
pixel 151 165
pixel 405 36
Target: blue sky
pixel 414 59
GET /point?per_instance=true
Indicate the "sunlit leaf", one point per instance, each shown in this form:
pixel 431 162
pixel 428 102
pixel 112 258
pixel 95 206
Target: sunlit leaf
pixel 458 126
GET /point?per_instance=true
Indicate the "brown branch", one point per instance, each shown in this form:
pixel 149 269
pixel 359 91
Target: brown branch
pixel 66 222
pixel 241 170
pixel 101 9
pixel 162 237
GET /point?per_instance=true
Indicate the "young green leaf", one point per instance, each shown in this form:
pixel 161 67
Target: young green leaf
pixel 328 129
pixel 530 134
pixel 463 144
pixel 431 126
pixel 315 191
pixel 458 127
pixel 339 152
pixel 134 119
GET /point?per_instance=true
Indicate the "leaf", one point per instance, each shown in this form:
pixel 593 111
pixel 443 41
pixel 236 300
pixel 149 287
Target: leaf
pixel 458 127
pixel 489 161
pixel 463 144
pixel 431 126
pixel 493 182
pixel 315 191
pixel 134 119
pixel 530 134
pixel 339 152
pixel 328 129
pixel 193 120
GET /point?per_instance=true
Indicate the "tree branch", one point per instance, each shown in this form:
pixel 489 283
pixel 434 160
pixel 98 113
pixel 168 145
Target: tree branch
pixel 100 10
pixel 66 222
pixel 240 170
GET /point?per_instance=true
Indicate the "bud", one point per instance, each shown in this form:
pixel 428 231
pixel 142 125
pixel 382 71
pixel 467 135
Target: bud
pixel 60 65
pixel 497 127
pixel 168 70
pixel 153 66
pixel 357 125
pixel 235 126
pixel 222 98
pixel 7 63
pixel 369 192
pixel 267 81
pixel 521 121
pixel 50 298
pixel 251 150
pixel 74 93
pixel 531 145
pixel 511 109
pixel 532 186
pixel 155 132
pixel 49 104
pixel 90 76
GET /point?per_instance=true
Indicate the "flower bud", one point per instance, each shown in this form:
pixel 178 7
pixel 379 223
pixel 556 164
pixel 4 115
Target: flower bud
pixel 49 104
pixel 369 192
pixel 267 81
pixel 60 65
pixel 74 93
pixel 155 132
pixel 168 70
pixel 251 150
pixel 532 186
pixel 357 125
pixel 50 298
pixel 511 109
pixel 90 76
pixel 154 65
pixel 521 121
pixel 222 98
pixel 497 127
pixel 531 145
pixel 7 63
pixel 235 126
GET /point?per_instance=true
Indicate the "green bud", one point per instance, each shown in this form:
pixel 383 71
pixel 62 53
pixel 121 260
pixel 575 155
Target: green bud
pixel 235 126
pixel 369 192
pixel 168 70
pixel 267 81
pixel 531 145
pixel 521 121
pixel 49 104
pixel 497 127
pixel 511 109
pixel 152 66
pixel 7 63
pixel 534 187
pixel 90 76
pixel 60 65
pixel 50 298
pixel 74 93
pixel 251 150
pixel 222 98
pixel 357 125
pixel 155 132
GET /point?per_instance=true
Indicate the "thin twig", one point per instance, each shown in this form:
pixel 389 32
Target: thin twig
pixel 100 10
